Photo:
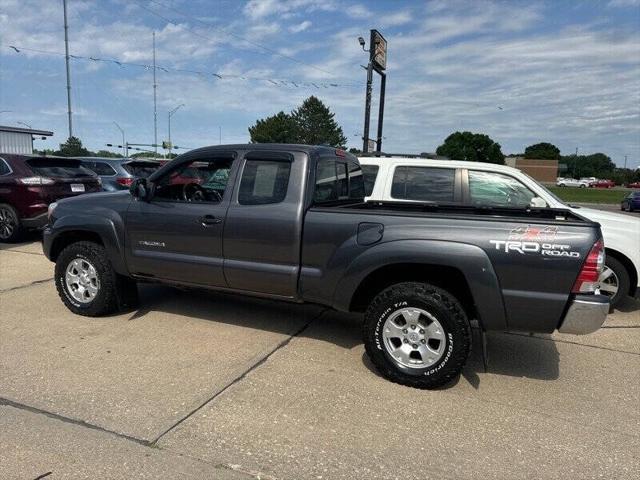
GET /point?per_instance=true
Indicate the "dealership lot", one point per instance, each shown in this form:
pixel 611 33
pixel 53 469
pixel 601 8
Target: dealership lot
pixel 205 385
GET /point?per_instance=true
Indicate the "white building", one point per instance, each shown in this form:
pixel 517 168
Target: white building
pixel 19 140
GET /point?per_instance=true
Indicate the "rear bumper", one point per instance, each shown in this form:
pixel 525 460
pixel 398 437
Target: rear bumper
pixel 39 221
pixel 586 314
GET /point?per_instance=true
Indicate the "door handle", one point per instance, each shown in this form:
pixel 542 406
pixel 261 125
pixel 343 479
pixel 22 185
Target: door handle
pixel 209 220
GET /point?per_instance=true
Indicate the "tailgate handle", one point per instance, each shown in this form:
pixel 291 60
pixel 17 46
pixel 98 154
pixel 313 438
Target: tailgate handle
pixel 209 220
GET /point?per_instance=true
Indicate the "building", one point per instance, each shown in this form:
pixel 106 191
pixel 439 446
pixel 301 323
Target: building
pixel 19 140
pixel 542 170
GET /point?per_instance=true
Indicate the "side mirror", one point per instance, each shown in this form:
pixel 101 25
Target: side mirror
pixel 537 202
pixel 139 189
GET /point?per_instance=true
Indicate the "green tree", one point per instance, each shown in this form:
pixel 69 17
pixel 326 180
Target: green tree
pixel 316 125
pixel 596 165
pixel 546 151
pixel 474 147
pixel 73 148
pixel 107 154
pixel 279 128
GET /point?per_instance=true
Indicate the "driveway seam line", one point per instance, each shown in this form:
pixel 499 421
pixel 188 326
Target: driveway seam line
pixel 23 251
pixel 573 343
pixel 72 421
pixel 32 284
pixel 239 378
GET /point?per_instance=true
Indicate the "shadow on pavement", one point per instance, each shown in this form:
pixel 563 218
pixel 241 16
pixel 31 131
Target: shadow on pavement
pixel 629 305
pixel 509 354
pixel 28 238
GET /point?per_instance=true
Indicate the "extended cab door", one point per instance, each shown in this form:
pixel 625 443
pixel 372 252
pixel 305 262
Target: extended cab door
pixel 177 234
pixel 263 230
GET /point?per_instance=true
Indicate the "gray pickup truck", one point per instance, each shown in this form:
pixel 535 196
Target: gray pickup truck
pixel 289 222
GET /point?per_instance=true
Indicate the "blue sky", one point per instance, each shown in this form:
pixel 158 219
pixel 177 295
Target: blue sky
pixel 566 72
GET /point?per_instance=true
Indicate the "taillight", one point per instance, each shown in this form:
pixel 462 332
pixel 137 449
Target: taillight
pixel 35 181
pixel 125 181
pixel 587 281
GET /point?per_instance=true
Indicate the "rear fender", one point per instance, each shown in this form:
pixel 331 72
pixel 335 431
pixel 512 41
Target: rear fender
pixel 470 260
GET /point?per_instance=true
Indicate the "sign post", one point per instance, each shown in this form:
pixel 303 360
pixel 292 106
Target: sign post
pixel 377 63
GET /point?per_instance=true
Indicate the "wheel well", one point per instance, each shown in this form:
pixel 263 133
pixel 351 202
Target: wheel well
pixel 628 264
pixel 447 278
pixel 67 238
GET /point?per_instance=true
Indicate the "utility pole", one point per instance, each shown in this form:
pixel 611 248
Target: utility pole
pixel 367 108
pixel 66 57
pixel 155 111
pixel 171 112
pixel 124 143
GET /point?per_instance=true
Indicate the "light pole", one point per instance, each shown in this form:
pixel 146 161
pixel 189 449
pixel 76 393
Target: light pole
pixel 125 150
pixel 171 112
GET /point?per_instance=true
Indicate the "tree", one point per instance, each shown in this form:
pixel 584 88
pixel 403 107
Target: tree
pixel 596 165
pixel 546 151
pixel 316 124
pixel 73 148
pixel 475 147
pixel 279 128
pixel 106 154
pixel 311 123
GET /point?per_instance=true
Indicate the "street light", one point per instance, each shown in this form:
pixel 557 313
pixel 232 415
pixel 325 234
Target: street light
pixel 171 112
pixel 125 149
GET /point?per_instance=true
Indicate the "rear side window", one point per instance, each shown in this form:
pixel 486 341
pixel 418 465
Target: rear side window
pixel 370 173
pixel 497 190
pixel 426 184
pixel 4 168
pixel 264 182
pixel 140 169
pixel 58 167
pixel 100 168
pixel 338 180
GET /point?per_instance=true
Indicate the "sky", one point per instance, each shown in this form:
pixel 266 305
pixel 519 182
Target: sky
pixel 565 72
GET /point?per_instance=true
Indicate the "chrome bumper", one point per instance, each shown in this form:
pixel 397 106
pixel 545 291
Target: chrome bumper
pixel 586 314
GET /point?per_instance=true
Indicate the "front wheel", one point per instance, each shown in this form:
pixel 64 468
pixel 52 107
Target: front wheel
pixel 86 282
pixel 417 335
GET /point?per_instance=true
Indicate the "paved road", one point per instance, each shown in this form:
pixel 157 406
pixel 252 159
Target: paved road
pixel 204 385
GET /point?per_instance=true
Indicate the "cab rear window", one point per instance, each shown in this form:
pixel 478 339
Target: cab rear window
pixel 58 167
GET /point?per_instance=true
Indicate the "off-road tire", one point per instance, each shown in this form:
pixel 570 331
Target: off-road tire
pixel 107 299
pixel 18 229
pixel 439 303
pixel 624 281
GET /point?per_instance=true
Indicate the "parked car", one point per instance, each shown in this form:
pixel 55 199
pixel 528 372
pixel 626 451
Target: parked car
pixel 603 184
pixel 488 185
pixel 118 173
pixel 634 185
pixel 288 222
pixel 631 203
pixel 572 182
pixel 29 183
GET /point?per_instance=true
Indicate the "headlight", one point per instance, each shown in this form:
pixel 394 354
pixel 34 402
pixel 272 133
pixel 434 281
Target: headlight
pixel 50 209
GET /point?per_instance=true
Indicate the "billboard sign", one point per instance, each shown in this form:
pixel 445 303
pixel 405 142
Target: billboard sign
pixel 378 50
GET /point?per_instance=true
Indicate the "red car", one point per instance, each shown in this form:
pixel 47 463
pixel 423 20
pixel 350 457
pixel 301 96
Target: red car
pixel 634 185
pixel 29 183
pixel 603 184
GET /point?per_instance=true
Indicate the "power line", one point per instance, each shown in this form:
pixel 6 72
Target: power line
pixel 227 32
pixel 280 82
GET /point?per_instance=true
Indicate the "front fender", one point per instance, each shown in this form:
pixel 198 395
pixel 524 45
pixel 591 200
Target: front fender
pixel 471 260
pixel 104 227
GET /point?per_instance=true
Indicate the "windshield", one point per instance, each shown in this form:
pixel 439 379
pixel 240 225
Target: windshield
pixel 59 168
pixel 549 192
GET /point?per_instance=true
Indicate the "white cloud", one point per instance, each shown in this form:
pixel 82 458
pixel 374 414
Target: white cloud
pixel 624 3
pixel 300 27
pixel 358 11
pixel 257 9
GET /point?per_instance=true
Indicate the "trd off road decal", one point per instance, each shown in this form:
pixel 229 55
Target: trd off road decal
pixel 535 240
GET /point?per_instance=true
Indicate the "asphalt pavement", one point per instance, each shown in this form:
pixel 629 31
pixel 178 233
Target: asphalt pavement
pixel 204 385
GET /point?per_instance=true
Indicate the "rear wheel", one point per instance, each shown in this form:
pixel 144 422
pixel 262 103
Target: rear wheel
pixel 417 335
pixel 10 228
pixel 614 281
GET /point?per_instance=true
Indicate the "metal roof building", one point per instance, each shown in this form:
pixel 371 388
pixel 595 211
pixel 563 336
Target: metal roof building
pixel 19 140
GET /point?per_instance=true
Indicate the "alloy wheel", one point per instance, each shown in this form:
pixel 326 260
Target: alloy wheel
pixel 7 223
pixel 81 279
pixel 608 282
